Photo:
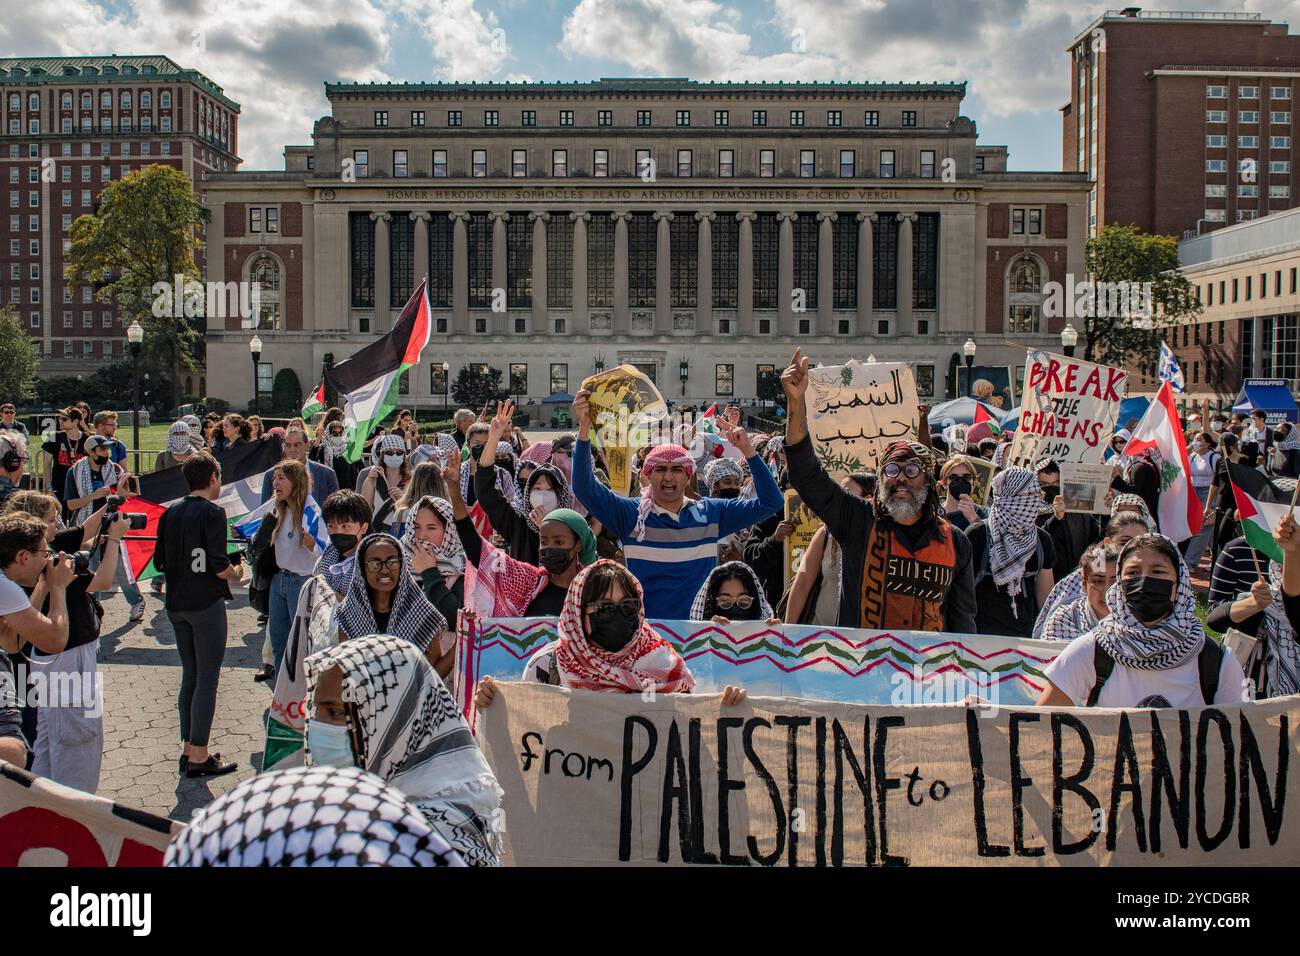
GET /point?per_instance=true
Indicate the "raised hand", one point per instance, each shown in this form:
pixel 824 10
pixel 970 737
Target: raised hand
pixel 794 380
pixel 1286 535
pixel 582 411
pixel 501 422
pixel 737 436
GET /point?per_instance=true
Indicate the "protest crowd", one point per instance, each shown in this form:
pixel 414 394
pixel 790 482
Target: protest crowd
pixel 366 555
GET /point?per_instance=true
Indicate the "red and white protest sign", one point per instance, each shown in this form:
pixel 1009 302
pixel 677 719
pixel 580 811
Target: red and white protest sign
pixel 1068 410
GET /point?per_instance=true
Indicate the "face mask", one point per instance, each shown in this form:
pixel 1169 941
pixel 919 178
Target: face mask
pixel 346 543
pixel 475 451
pixel 548 501
pixel 555 560
pixel 1050 493
pixel 727 493
pixel 329 744
pixel 394 461
pixel 958 485
pixel 504 463
pixel 612 633
pixel 1149 598
pixel 1216 426
pixel 334 443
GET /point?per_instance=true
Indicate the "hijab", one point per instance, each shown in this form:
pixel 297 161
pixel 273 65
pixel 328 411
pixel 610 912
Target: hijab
pixel 705 604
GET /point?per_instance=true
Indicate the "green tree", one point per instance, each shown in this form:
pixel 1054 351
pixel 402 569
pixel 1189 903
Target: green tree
pixel 286 393
pixel 1124 254
pixel 473 388
pixel 145 234
pixel 18 359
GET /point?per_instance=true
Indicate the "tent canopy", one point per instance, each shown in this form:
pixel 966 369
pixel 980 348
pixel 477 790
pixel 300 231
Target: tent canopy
pixel 960 411
pixel 558 398
pixel 1271 395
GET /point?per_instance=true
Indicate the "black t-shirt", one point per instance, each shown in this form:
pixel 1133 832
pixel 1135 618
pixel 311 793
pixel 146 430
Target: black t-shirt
pixel 83 614
pixel 190 526
pixel 65 454
pixel 993 610
pixel 381 620
pixel 548 603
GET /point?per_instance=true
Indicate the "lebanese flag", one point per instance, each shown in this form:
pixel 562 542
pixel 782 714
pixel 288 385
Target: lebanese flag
pixel 367 382
pixel 1180 509
pixel 1260 505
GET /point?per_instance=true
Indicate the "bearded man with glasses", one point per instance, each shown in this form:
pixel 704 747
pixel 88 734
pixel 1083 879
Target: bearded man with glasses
pixel 905 567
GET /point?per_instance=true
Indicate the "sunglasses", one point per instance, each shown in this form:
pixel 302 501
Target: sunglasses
pixel 744 602
pixel 391 564
pixel 893 470
pixel 604 610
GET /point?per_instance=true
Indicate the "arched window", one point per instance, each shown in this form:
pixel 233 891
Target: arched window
pixel 265 272
pixel 1024 294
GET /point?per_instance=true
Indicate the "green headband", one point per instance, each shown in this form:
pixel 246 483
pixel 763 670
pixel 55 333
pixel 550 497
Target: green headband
pixel 578 525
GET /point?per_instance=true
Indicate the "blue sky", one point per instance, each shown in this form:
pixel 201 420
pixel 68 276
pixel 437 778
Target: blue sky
pixel 274 57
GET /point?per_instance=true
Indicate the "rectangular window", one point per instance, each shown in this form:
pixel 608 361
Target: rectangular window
pixel 440 163
pixel 1248 92
pixel 1280 92
pixel 559 163
pixel 399 164
pixel 909 117
pixel 566 117
pixel 478 163
pixel 848 164
pixel 1017 222
pixel 1279 192
pixel 759 118
pixel 1216 116
pixel 529 118
pixel 519 162
pixel 834 118
pixel 927 164
pixel 1247 116
pixel 1247 192
pixel 807 163
pixel 417 117
pixel 871 118
pixel 644 164
pixel 724 380
pixel 683 117
pixel 1279 166
pixel 272 219
pixel 453 117
pixel 796 117
pixel 1215 192
pixel 491 118
pixel 559 261
pixel 1279 142
pixel 721 118
pixel 1283 118
pixel 1216 92
pixel 600 163
pixel 1216 141
pixel 1248 142
pixel 254 219
pixel 1216 165
pixel 605 118
pixel 559 378
pixel 886 164
pixel 361 163
pixel 643 118
pixel 726 163
pixel 767 163
pixel 381 117
pixel 1035 222
pixel 685 163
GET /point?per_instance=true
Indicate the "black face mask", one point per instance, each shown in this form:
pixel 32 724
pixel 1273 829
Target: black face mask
pixel 612 631
pixel 1050 493
pixel 727 493
pixel 958 485
pixel 475 451
pixel 1150 598
pixel 555 560
pixel 504 463
pixel 346 543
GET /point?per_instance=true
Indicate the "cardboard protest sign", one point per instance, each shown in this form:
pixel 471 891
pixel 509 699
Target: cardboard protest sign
pixel 1084 487
pixel 855 410
pixel 623 403
pixel 805 526
pixel 1068 410
pixel 43 823
pixel 599 779
pixel 845 664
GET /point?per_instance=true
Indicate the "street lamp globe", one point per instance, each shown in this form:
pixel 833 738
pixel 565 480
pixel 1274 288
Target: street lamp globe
pixel 255 345
pixel 135 333
pixel 968 350
pixel 1069 337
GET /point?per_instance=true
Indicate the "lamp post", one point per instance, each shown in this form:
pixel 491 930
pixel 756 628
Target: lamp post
pixel 968 350
pixel 684 370
pixel 446 387
pixel 255 349
pixel 135 336
pixel 1069 339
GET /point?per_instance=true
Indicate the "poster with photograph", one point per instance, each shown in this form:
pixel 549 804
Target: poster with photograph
pixel 1084 487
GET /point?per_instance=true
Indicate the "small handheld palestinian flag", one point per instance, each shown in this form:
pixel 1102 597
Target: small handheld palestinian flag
pixel 367 382
pixel 1261 505
pixel 315 402
pixel 982 415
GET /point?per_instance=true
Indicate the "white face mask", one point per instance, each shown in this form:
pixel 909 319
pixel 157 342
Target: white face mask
pixel 329 744
pixel 1216 426
pixel 394 461
pixel 546 500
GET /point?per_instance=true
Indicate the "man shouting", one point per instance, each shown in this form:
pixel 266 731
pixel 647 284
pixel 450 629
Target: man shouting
pixel 904 566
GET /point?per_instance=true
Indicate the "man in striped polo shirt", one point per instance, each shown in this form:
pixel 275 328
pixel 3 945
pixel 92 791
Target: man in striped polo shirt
pixel 670 542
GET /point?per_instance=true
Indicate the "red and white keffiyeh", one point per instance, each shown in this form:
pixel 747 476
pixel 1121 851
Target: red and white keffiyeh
pixel 647 662
pixel 661 455
pixel 501 586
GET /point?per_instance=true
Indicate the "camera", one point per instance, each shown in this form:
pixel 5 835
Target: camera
pixel 80 561
pixel 135 522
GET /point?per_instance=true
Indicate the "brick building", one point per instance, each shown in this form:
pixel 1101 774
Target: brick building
pixel 1185 120
pixel 87 121
pixel 697 229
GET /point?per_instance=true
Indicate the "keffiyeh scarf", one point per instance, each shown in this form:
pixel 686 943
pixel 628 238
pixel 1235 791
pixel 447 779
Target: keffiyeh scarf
pixel 1130 502
pixel 451 553
pixel 505 483
pixel 648 661
pixel 416 740
pixel 1291 442
pixel 1069 621
pixel 700 607
pixel 720 468
pixel 1151 648
pixel 411 616
pixel 661 455
pixel 1281 652
pixel 310 816
pixel 558 484
pixel 336 569
pixel 1012 531
pixel 501 586
pixel 1069 588
pixel 81 478
pixel 1000 454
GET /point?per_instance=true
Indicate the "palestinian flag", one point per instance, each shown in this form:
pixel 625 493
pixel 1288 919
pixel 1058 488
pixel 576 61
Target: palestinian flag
pixel 315 402
pixel 982 415
pixel 242 468
pixel 367 381
pixel 1261 505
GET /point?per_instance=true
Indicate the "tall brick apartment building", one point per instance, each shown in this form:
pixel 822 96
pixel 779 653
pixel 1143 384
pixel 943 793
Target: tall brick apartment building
pixel 1168 110
pixel 697 230
pixel 97 118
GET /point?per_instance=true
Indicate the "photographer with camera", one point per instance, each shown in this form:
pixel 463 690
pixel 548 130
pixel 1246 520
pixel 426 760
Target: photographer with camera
pixel 191 554
pixel 69 733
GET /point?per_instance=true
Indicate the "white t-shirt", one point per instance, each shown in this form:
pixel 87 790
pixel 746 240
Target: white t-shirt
pixel 12 598
pixel 290 555
pixel 1180 686
pixel 1202 468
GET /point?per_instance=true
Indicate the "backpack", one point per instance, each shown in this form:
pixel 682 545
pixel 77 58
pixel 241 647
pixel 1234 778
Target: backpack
pixel 1208 663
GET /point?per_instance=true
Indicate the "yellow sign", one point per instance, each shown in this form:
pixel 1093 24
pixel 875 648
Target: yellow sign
pixel 624 403
pixel 805 526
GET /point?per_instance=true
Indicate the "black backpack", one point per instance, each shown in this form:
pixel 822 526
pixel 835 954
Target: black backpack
pixel 1208 663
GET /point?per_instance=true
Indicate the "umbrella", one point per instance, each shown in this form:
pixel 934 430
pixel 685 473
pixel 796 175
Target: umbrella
pixel 961 411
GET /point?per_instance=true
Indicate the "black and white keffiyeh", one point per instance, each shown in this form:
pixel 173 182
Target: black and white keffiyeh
pixel 1151 647
pixel 1012 531
pixel 559 484
pixel 1281 652
pixel 720 468
pixel 505 483
pixel 1068 621
pixel 335 568
pixel 411 616
pixel 1069 588
pixel 1124 501
pixel 416 740
pixel 311 816
pixel 1291 441
pixel 451 553
pixel 81 478
pixel 701 609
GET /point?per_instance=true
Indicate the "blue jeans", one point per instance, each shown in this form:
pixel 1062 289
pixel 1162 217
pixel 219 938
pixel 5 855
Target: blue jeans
pixel 284 604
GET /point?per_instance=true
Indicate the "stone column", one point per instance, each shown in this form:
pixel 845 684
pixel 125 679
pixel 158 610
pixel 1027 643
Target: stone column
pixel 745 273
pixel 704 274
pixel 785 272
pixel 499 272
pixel 421 269
pixel 905 324
pixel 866 269
pixel 825 273
pixel 539 220
pixel 383 292
pixel 622 314
pixel 663 274
pixel 460 272
pixel 581 318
